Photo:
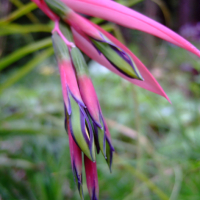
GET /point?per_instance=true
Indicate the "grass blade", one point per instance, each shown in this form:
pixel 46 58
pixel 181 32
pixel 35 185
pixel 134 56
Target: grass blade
pixel 18 13
pixel 16 29
pixel 24 51
pixel 26 69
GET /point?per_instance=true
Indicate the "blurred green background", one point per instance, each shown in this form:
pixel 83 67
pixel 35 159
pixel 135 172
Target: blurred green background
pixel 157 143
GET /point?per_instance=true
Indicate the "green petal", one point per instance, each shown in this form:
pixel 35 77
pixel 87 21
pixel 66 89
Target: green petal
pixel 102 139
pixel 60 48
pixel 81 138
pixel 109 155
pixel 117 58
pixel 79 61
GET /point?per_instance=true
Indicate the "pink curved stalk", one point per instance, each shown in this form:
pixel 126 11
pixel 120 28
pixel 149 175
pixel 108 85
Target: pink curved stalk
pixel 91 178
pixel 81 24
pixel 149 82
pixel 57 29
pixel 42 5
pixel 112 11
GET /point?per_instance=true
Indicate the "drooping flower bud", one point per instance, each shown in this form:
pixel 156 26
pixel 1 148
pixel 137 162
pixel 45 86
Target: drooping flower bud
pixel 89 97
pixel 81 130
pixel 79 123
pixel 91 178
pixel 76 160
pixel 117 57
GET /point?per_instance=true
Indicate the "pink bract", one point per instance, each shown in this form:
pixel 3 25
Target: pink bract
pixel 115 12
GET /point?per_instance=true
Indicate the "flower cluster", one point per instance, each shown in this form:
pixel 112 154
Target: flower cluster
pixel 84 121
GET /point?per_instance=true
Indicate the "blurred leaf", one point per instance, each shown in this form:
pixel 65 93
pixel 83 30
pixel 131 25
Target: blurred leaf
pixel 30 15
pixel 164 9
pixel 20 53
pixel 7 132
pixel 16 29
pixel 18 13
pixel 18 163
pixel 129 3
pixel 143 178
pixel 26 69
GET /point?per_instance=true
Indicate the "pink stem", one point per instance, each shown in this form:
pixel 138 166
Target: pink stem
pixel 57 29
pixel 42 5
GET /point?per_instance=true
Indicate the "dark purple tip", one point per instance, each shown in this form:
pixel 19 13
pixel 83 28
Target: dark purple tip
pixel 94 197
pixel 96 139
pixel 78 180
pixel 65 121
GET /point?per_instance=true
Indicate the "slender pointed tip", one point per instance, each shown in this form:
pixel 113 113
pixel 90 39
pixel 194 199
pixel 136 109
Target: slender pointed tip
pixel 140 78
pixel 93 160
pixel 166 97
pixel 163 94
pixel 110 168
pixel 91 178
pixel 193 49
pixel 94 197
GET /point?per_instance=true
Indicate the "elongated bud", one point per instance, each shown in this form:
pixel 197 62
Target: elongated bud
pixel 76 161
pixel 79 123
pixel 90 99
pixel 117 57
pixel 88 93
pixel 60 48
pixel 91 178
pixel 63 60
pixel 85 84
pixel 81 130
pixel 67 73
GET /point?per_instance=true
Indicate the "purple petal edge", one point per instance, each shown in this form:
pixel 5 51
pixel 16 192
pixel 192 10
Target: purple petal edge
pixel 79 178
pixel 96 137
pixel 77 101
pixel 83 118
pixel 104 128
pixel 111 153
pixel 94 195
pixel 65 121
pixel 70 108
pixel 121 53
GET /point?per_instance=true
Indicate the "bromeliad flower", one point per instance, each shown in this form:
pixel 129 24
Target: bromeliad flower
pixel 75 108
pixel 83 30
pixel 89 97
pixel 114 12
pixel 84 122
pixel 88 94
pixel 118 58
pixel 81 102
